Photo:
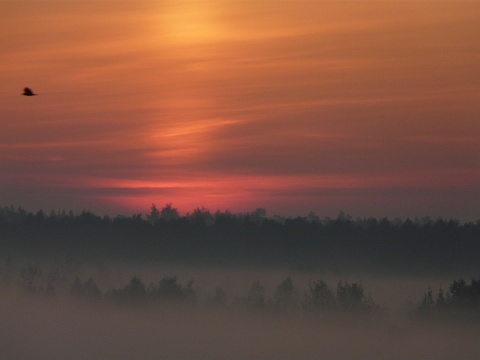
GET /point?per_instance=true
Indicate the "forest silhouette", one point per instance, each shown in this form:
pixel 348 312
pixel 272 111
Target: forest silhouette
pixel 342 244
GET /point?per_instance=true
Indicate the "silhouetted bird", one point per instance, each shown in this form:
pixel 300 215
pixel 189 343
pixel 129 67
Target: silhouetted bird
pixel 28 92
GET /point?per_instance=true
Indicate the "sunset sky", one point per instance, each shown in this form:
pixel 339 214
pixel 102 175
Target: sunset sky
pixel 366 107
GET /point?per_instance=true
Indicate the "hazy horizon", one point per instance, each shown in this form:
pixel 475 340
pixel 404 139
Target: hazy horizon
pixel 279 216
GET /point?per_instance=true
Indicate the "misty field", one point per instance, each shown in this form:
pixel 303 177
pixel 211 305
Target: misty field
pixel 224 286
pixel 208 313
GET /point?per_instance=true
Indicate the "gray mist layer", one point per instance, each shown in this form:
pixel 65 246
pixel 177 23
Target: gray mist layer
pixel 36 325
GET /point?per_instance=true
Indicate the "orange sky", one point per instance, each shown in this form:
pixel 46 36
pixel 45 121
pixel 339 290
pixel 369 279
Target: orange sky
pixel 370 107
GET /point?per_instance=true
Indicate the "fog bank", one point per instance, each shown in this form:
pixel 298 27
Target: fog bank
pixel 45 329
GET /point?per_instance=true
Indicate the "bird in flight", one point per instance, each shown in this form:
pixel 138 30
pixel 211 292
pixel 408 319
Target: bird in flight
pixel 28 92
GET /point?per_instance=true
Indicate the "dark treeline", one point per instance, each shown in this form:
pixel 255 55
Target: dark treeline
pixel 222 238
pixel 318 297
pixel 461 301
pixel 348 298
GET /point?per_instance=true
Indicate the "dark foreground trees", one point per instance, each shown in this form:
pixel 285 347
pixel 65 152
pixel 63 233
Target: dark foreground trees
pixel 285 297
pixel 461 302
pixel 349 298
pixel 318 298
pixel 167 290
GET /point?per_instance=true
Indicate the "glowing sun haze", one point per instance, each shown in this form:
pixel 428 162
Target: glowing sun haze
pixel 370 107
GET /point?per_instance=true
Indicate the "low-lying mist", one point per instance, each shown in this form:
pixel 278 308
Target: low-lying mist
pixel 236 286
pixel 119 311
